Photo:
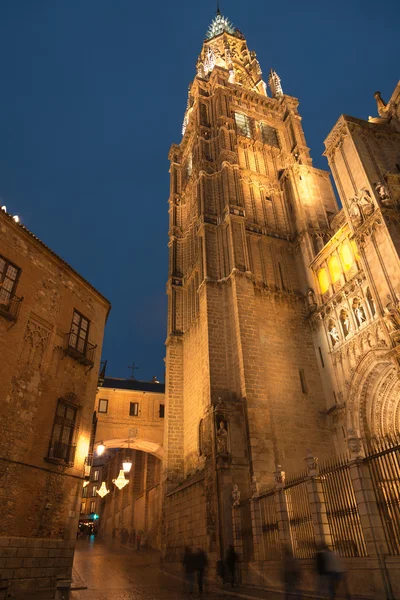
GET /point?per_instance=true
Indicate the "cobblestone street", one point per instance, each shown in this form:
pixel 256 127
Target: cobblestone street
pixel 122 574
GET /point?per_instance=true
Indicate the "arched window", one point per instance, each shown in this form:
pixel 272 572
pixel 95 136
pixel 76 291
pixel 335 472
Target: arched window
pixel 346 255
pixel 335 268
pixel 323 280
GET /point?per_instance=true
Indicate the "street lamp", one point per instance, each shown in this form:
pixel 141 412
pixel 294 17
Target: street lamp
pixel 127 465
pixel 100 449
pixel 127 462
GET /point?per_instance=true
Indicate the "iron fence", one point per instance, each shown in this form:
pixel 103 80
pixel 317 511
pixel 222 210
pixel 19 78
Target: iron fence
pixel 300 518
pixel 246 531
pixel 270 530
pixel 342 511
pixel 383 459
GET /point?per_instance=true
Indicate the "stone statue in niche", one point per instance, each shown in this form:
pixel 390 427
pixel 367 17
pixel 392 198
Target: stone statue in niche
pixel 346 323
pixel 383 194
pixel 222 438
pixel 333 333
pixel 359 312
pixel 236 496
pixel 392 317
pixel 361 206
pixel 312 302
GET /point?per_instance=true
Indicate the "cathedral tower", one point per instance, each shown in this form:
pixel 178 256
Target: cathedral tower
pixel 248 213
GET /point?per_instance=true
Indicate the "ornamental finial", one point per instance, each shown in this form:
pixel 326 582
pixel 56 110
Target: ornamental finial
pixel 218 11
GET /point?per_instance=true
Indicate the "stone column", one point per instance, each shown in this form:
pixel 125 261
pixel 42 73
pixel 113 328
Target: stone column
pixel 282 512
pixel 317 502
pixel 256 526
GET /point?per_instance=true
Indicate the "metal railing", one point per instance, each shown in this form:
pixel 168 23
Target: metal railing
pixel 270 529
pixel 81 350
pixel 383 459
pixel 300 519
pixel 342 510
pixel 9 306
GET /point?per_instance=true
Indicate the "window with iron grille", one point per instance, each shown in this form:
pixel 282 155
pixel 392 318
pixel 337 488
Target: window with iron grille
pixel 243 124
pixel 134 409
pixel 62 447
pixel 162 411
pixel 269 135
pixel 78 337
pixel 8 280
pixel 84 492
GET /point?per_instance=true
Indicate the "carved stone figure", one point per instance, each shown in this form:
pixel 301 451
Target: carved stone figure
pixel 346 323
pixel 392 317
pixel 236 496
pixel 312 463
pixel 222 438
pixel 312 302
pixel 355 445
pixel 279 475
pixel 361 206
pixel 360 314
pixel 255 491
pixel 334 334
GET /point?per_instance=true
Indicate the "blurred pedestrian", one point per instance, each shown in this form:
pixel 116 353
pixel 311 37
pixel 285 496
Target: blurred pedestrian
pixel 291 574
pixel 330 569
pixel 221 570
pixel 189 569
pixel 230 563
pixel 200 564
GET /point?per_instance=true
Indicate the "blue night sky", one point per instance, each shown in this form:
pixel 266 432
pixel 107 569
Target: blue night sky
pixel 93 94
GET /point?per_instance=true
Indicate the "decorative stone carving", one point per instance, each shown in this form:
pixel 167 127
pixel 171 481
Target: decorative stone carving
pixel 392 317
pixel 312 463
pixel 312 302
pixel 383 195
pixel 346 323
pixel 355 445
pixel 280 476
pixel 255 489
pixel 222 438
pixel 333 332
pixel 361 207
pixel 236 496
pixel 359 312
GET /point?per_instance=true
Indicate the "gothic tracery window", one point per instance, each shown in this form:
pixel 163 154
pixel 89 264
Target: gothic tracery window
pixel 243 124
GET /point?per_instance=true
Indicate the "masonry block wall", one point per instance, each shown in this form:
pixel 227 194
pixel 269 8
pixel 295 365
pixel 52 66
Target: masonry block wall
pixel 46 380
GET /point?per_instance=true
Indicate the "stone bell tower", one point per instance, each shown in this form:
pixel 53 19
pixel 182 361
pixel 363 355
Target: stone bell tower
pixel 247 214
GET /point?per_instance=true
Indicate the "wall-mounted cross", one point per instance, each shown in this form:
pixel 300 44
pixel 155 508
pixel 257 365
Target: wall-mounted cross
pixel 134 368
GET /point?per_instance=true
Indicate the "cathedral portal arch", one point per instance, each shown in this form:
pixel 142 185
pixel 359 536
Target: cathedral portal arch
pixel 373 405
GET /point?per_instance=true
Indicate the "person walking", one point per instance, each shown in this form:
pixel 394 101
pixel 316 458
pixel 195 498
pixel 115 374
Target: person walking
pixel 230 562
pixel 189 569
pixel 200 564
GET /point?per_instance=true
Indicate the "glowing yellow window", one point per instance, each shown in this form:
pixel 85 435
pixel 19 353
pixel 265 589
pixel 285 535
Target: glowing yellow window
pixel 323 280
pixel 346 256
pixel 355 250
pixel 334 268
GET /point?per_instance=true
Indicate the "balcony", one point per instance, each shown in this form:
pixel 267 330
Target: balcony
pixel 61 453
pixel 81 350
pixel 9 306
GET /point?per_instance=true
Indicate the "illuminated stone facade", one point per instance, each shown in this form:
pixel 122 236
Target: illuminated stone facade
pixel 248 214
pixel 51 332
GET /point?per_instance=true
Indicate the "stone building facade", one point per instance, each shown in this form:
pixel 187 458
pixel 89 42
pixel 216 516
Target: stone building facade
pixel 252 359
pixel 51 332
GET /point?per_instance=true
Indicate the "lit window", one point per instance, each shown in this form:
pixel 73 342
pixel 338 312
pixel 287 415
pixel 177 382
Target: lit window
pixel 95 475
pixel 62 438
pixel 269 135
pixel 346 255
pixel 323 280
pixel 93 506
pixel 79 332
pixel 134 409
pixel 103 405
pixel 94 490
pixel 335 269
pixel 8 280
pixel 83 508
pixel 243 124
pixel 84 492
pixel 161 411
pixel 355 250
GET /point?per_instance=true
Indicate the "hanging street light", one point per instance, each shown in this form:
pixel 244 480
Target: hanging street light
pixel 121 482
pixel 100 449
pixel 103 491
pixel 127 465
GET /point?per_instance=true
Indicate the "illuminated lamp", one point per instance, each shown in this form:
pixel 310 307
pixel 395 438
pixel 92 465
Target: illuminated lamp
pixel 16 218
pixel 103 491
pixel 121 482
pixel 100 449
pixel 127 465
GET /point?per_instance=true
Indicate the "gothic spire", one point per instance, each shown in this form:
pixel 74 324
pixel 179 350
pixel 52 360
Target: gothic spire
pixel 218 25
